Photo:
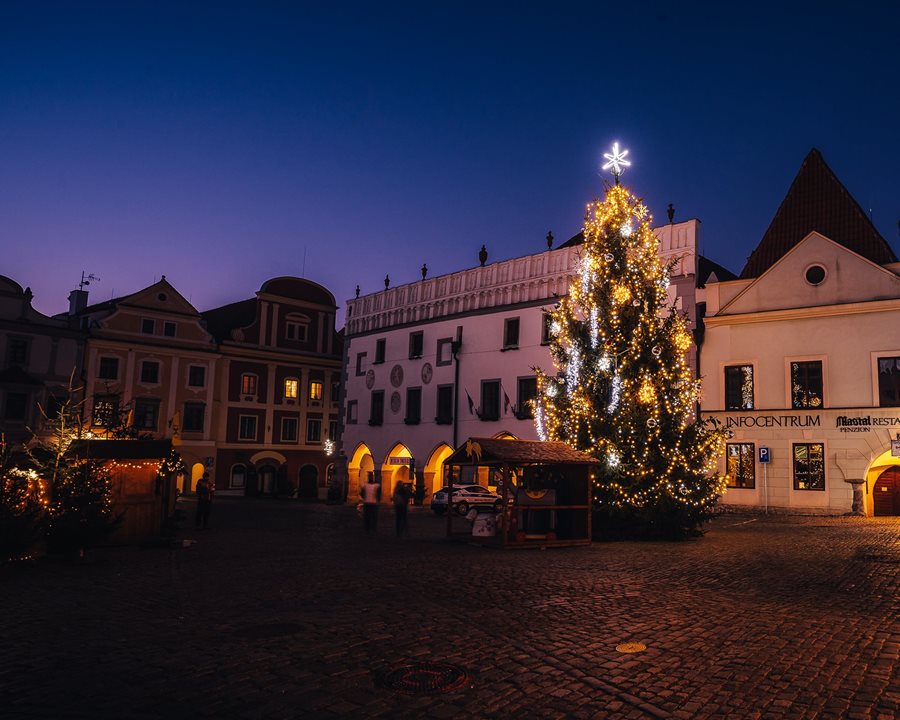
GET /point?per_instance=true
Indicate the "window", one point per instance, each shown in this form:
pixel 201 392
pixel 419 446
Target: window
pixel 335 392
pixel 15 406
pixel 169 329
pixel 313 430
pixel 352 412
pixel 106 410
pixel 16 351
pixel 510 333
pixel 55 403
pixel 291 389
pixel 315 390
pixel 146 413
pixel 108 368
pixel 740 465
pixel 360 362
pixel 380 346
pixel 332 429
pixel 444 352
pixel 546 323
pixel 376 411
pixel 413 406
pixel 444 405
pixel 526 391
pixel 288 429
pixel 806 384
pixel 192 421
pixel 150 372
pixel 296 327
pixel 248 384
pixel 197 376
pixel 148 326
pixel 739 387
pixel 238 476
pixel 247 427
pixel 809 466
pixel 490 400
pixel 889 381
pixel 416 343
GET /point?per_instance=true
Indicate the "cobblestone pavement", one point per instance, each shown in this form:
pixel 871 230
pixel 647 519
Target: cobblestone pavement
pixel 285 610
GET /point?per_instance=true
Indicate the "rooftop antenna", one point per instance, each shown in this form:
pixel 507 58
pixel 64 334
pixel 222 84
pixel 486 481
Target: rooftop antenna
pixel 87 279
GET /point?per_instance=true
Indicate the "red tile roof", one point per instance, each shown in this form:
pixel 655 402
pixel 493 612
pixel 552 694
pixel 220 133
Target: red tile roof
pixel 817 201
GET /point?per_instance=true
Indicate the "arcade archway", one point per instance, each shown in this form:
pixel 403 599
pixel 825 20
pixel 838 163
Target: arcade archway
pixel 359 468
pixel 395 469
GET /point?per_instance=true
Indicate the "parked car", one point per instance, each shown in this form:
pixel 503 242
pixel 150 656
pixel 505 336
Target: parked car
pixel 465 497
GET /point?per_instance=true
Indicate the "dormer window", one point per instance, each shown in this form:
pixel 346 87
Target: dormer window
pixel 296 327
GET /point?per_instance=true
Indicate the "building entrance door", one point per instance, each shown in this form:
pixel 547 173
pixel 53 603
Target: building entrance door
pixel 886 492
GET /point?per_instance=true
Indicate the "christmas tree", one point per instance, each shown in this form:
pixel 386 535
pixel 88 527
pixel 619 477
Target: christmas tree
pixel 624 391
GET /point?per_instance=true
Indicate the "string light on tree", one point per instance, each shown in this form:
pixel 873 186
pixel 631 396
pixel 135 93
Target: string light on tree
pixel 628 394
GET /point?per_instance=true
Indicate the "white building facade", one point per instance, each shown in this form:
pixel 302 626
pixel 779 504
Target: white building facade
pixel 801 360
pixel 432 363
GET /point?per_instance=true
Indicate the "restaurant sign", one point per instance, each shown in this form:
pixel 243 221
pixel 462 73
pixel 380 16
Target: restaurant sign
pixel 864 423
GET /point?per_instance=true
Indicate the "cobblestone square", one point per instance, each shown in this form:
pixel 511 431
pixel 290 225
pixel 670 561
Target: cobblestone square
pixel 287 610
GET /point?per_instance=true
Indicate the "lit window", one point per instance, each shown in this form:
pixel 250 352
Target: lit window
pixel 740 461
pixel 739 387
pixel 248 384
pixel 291 388
pixel 315 390
pixel 106 410
pixel 806 384
pixel 809 466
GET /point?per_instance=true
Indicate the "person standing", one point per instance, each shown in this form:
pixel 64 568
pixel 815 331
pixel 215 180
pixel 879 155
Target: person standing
pixel 204 501
pixel 371 493
pixel 401 509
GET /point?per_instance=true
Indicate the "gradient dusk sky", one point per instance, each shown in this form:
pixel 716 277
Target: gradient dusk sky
pixel 225 143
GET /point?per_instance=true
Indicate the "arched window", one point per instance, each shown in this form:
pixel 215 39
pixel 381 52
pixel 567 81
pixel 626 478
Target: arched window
pixel 238 476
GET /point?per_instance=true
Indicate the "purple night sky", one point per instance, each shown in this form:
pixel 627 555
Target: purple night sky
pixel 220 144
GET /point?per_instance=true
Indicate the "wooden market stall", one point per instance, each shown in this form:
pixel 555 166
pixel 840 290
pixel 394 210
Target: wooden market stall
pixel 545 487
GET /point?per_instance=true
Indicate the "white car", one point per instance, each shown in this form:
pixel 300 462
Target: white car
pixel 465 497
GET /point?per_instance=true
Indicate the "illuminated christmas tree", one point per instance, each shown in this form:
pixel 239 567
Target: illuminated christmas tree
pixel 624 391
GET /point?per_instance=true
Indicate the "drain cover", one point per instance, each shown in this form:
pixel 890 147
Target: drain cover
pixel 631 647
pixel 268 630
pixel 426 678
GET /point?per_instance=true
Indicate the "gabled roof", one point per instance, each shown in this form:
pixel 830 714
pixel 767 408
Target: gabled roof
pixel 493 450
pixel 818 202
pixel 706 268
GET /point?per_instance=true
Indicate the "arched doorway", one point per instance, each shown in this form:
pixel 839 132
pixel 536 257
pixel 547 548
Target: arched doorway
pixel 309 482
pixel 197 470
pixel 359 468
pixel 886 493
pixel 395 469
pixel 434 469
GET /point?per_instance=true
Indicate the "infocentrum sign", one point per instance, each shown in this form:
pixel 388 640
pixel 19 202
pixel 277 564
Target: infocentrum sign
pixel 843 423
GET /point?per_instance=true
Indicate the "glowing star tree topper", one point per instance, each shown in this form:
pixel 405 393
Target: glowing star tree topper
pixel 616 161
pixel 622 389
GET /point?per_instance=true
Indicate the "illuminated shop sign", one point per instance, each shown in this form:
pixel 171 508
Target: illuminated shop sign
pixel 768 421
pixel 864 423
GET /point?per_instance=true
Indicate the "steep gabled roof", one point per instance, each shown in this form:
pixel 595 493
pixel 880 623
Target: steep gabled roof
pixel 817 201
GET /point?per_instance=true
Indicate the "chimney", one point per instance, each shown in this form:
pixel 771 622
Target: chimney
pixel 77 301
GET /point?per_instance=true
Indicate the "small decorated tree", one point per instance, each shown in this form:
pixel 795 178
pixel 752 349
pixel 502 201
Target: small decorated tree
pixel 624 391
pixel 22 507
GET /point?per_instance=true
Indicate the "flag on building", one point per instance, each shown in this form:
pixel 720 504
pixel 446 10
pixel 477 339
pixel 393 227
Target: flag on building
pixel 471 404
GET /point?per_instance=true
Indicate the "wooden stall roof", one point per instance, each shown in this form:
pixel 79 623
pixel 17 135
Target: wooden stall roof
pixel 121 449
pixel 485 451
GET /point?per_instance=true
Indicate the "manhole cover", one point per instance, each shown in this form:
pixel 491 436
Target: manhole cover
pixel 631 647
pixel 426 678
pixel 268 630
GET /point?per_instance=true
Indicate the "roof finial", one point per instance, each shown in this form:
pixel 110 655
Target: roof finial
pixel 549 239
pixel 482 255
pixel 670 211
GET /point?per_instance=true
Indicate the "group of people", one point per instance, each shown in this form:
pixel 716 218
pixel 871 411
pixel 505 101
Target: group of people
pixel 371 496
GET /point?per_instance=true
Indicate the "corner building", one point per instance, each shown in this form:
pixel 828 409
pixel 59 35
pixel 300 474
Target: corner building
pixel 801 359
pixel 432 363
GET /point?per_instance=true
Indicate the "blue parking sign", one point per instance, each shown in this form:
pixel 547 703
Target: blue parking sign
pixel 764 455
